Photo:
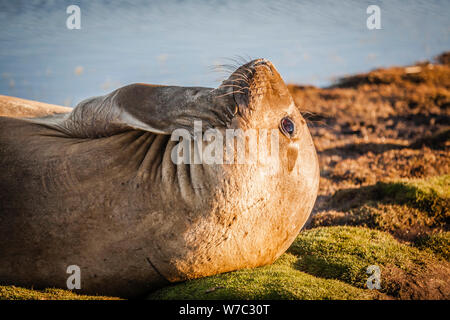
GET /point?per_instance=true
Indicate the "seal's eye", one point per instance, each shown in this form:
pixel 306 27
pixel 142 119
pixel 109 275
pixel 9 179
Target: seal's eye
pixel 287 127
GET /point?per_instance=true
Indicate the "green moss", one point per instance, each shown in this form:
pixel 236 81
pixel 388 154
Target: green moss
pixel 431 195
pixel 278 281
pixel 344 253
pixel 16 293
pixel 406 208
pixel 438 243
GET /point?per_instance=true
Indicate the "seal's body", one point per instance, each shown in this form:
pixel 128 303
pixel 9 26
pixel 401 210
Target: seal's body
pixel 97 187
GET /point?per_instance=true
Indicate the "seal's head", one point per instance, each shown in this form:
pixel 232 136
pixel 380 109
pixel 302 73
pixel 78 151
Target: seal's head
pixel 262 205
pixel 263 101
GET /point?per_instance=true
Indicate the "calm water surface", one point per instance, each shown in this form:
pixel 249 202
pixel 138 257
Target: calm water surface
pixel 179 42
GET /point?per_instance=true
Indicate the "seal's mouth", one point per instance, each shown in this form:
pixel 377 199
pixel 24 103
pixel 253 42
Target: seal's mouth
pixel 247 84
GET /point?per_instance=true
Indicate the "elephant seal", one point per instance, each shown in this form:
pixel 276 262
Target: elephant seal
pixel 97 187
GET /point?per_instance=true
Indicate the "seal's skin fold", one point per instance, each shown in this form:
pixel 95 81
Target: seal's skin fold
pixel 97 188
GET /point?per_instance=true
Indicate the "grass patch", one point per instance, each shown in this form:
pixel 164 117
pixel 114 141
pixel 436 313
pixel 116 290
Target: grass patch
pixel 280 280
pixel 407 208
pixel 17 293
pixel 344 253
pixel 430 195
pixel 438 243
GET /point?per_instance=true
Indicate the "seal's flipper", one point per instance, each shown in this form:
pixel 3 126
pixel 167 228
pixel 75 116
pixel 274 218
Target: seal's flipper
pixel 157 109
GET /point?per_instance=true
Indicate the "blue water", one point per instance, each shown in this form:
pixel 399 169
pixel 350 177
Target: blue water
pixel 178 42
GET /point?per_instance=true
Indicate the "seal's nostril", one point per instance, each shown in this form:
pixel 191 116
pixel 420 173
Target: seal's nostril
pixel 263 63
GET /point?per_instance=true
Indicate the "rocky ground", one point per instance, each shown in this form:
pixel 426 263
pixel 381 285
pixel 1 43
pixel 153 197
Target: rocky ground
pixel 383 144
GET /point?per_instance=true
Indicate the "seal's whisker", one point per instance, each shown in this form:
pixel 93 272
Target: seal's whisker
pixel 228 93
pixel 246 59
pixel 240 60
pixel 226 67
pixel 308 113
pixel 309 117
pixel 225 70
pixel 241 79
pixel 219 79
pixel 242 74
pixel 249 58
pixel 236 61
pixel 231 112
pixel 229 67
pixel 249 70
pixel 246 85
pixel 235 68
pixel 231 85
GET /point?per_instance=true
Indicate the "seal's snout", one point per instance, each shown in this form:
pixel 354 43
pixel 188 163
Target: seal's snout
pixel 263 63
pixel 242 80
pixel 251 69
pixel 249 83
